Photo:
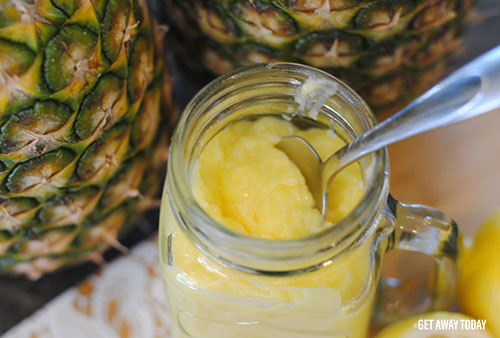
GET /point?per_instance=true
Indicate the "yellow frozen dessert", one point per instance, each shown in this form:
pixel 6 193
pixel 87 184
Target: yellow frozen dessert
pixel 244 182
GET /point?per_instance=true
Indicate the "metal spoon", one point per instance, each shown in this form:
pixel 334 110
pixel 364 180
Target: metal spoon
pixel 468 92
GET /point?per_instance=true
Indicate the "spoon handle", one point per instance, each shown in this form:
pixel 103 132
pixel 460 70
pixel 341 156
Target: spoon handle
pixel 470 91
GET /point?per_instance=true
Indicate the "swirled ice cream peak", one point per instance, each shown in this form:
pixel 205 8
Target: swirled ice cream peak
pixel 312 94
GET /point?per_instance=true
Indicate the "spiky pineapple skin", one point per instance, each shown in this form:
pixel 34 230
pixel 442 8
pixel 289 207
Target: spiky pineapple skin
pixel 388 50
pixel 85 104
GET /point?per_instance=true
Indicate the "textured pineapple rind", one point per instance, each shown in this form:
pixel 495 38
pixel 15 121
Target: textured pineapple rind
pixel 78 162
pixel 385 62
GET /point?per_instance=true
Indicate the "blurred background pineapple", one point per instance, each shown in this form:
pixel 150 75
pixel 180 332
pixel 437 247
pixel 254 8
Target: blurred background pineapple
pixel 388 50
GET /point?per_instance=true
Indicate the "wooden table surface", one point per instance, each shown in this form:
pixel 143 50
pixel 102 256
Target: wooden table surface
pixel 455 169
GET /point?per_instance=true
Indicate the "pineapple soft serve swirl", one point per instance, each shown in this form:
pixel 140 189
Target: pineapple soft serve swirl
pixel 244 182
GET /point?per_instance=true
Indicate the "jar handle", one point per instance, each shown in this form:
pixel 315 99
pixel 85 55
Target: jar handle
pixel 429 231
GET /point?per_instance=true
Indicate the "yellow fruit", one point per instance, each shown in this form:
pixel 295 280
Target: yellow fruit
pixel 429 325
pixel 83 128
pixel 388 50
pixel 479 287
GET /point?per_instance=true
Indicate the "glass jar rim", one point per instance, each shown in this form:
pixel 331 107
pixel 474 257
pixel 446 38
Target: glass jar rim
pixel 265 255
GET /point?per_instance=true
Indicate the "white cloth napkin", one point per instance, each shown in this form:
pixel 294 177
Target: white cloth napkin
pixel 125 299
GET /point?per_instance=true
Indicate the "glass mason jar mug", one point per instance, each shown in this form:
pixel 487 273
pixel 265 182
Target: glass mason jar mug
pixel 221 283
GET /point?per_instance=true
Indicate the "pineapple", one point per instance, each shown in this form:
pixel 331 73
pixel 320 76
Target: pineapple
pixel 82 141
pixel 388 50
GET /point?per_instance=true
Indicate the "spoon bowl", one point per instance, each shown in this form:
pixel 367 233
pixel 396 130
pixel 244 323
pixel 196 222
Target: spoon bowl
pixel 468 92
